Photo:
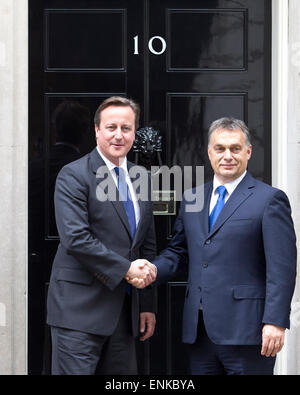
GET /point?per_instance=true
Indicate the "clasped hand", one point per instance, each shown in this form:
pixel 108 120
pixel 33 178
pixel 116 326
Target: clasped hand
pixel 141 273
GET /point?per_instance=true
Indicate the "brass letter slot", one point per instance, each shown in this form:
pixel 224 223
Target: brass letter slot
pixel 164 203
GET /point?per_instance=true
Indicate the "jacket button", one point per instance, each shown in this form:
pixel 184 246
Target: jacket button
pixel 207 242
pixel 205 265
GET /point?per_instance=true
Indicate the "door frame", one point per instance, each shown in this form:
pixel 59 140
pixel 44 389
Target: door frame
pixel 280 123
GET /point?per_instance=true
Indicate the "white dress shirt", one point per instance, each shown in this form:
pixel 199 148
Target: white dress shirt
pixel 230 187
pixel 111 166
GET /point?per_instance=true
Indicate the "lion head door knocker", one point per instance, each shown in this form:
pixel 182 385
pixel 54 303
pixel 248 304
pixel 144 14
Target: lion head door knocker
pixel 148 148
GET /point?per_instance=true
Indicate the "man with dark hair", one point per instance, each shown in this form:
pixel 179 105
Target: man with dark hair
pixel 92 311
pixel 118 101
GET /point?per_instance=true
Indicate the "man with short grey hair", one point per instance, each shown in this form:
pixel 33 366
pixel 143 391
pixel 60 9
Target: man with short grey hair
pixel 241 250
pixel 230 124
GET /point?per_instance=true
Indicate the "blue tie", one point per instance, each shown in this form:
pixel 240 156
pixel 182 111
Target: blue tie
pixel 128 205
pixel 126 199
pixel 218 207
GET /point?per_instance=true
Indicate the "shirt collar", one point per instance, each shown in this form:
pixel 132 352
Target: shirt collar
pixel 111 165
pixel 230 186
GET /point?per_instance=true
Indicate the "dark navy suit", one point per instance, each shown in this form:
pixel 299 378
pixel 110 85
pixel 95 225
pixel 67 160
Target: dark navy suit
pixel 241 272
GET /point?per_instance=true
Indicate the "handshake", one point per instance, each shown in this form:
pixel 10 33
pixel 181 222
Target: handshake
pixel 141 273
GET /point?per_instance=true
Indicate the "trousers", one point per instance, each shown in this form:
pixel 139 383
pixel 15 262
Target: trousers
pixel 208 358
pixel 80 353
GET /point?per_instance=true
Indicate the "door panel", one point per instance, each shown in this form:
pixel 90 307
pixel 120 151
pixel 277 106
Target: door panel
pixel 220 40
pixel 76 51
pixel 187 62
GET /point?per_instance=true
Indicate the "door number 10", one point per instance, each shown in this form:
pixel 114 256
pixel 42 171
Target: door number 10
pixel 150 45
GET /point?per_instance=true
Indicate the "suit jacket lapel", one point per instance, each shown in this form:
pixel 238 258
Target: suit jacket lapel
pixel 240 194
pixel 204 214
pixel 141 221
pixel 96 162
pixel 142 205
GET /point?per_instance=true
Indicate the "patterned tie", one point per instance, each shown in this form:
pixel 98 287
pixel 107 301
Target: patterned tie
pixel 218 207
pixel 126 199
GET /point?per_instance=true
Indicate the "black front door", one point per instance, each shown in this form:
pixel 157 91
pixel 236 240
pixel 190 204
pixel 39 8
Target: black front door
pixel 187 62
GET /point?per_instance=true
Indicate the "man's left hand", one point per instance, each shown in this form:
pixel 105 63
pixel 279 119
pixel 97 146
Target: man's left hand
pixel 272 340
pixel 147 325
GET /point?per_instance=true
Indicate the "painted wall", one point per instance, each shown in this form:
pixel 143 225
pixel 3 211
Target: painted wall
pixel 13 184
pixel 293 171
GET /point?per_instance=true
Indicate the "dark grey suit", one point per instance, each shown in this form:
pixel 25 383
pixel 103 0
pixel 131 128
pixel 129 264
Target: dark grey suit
pixel 87 286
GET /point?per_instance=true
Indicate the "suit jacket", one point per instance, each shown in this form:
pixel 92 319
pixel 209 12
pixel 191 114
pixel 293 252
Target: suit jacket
pixel 243 271
pixel 87 286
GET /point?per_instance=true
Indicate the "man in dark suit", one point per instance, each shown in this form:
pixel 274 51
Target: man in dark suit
pixel 242 263
pixel 93 312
